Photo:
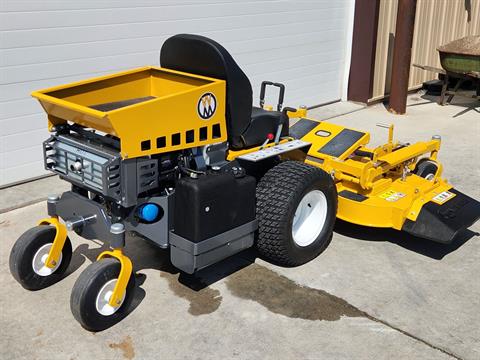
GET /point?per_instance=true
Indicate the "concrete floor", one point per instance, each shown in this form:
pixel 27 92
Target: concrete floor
pixel 372 294
pixel 31 192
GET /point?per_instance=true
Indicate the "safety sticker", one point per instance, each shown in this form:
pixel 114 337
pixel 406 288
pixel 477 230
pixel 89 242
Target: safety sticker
pixel 443 197
pixel 207 104
pixel 392 195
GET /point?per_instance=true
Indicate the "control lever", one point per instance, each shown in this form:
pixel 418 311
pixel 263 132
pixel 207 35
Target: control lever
pixel 270 137
pixel 279 132
pixel 390 131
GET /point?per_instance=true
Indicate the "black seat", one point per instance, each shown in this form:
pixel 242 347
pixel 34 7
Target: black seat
pixel 200 55
pixel 263 123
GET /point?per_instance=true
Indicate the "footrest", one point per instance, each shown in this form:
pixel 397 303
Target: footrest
pixel 274 150
pixel 442 222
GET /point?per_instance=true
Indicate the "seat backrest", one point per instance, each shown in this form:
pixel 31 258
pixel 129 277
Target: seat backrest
pixel 200 55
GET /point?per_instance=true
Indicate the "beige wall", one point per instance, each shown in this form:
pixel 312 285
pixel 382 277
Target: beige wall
pixel 436 23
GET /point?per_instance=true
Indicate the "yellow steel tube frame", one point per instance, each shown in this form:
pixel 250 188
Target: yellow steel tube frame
pixel 58 241
pixel 386 170
pixel 124 276
pixel 57 247
pixel 365 174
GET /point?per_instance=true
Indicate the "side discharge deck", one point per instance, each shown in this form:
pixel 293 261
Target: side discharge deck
pixel 379 187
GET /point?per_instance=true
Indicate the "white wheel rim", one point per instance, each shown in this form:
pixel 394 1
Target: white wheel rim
pixel 40 258
pixel 103 298
pixel 309 218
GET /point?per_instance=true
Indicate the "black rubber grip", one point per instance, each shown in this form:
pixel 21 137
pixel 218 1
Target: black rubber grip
pixel 281 94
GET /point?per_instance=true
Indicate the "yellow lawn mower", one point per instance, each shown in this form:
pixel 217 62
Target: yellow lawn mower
pixel 177 155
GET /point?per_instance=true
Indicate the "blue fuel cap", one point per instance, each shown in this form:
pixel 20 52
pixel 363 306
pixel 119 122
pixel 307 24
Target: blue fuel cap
pixel 148 212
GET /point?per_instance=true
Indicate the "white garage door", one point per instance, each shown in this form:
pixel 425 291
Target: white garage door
pixel 46 43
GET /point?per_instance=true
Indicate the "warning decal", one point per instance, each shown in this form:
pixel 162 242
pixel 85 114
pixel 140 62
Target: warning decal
pixel 443 197
pixel 392 195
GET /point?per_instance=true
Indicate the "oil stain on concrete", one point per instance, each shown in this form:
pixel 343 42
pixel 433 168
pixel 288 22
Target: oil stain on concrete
pixel 203 299
pixel 283 296
pixel 126 346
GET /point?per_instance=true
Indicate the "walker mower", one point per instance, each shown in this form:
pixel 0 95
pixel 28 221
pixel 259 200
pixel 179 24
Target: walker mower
pixel 176 154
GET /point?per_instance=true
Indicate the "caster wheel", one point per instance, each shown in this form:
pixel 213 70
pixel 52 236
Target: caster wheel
pixel 91 294
pixel 426 168
pixel 28 256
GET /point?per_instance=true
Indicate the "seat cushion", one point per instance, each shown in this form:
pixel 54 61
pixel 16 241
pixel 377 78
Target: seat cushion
pixel 264 122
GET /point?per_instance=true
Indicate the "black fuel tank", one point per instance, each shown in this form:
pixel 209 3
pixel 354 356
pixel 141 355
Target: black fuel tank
pixel 212 204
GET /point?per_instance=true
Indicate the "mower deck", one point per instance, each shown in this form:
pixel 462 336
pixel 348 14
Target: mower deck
pixel 393 197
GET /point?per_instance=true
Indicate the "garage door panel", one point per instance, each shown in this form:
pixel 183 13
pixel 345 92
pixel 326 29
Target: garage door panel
pixel 157 14
pixel 29 155
pixel 72 51
pixel 291 51
pixel 86 34
pixel 46 5
pixel 16 108
pixel 18 91
pixel 326 83
pixel 275 59
pixel 47 43
pixel 265 44
pixel 22 124
pixel 299 73
pixel 23 140
pixel 22 172
pixel 23 73
pixel 55 69
pixel 298 94
pixel 291 62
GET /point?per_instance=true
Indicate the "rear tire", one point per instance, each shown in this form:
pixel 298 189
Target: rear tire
pixel 90 295
pixel 296 210
pixel 28 255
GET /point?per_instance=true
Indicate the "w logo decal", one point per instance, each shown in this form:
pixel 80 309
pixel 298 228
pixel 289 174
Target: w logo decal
pixel 206 106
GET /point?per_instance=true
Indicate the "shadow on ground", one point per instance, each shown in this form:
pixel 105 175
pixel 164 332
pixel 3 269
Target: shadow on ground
pixel 421 246
pixel 468 104
pixel 244 279
pixel 247 280
pixel 466 101
pixel 144 255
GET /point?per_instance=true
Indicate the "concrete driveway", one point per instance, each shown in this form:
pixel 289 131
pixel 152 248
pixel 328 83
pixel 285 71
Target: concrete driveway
pixel 372 294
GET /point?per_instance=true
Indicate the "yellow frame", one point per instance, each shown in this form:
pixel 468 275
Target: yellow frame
pixel 124 276
pixel 58 241
pixel 126 267
pixel 377 177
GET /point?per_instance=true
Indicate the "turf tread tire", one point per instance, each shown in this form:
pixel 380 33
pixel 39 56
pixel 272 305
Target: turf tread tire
pixel 278 194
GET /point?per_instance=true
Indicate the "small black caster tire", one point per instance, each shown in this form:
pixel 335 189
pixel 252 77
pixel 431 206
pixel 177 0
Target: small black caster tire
pixel 426 168
pixel 28 255
pixel 90 295
pixel 296 211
